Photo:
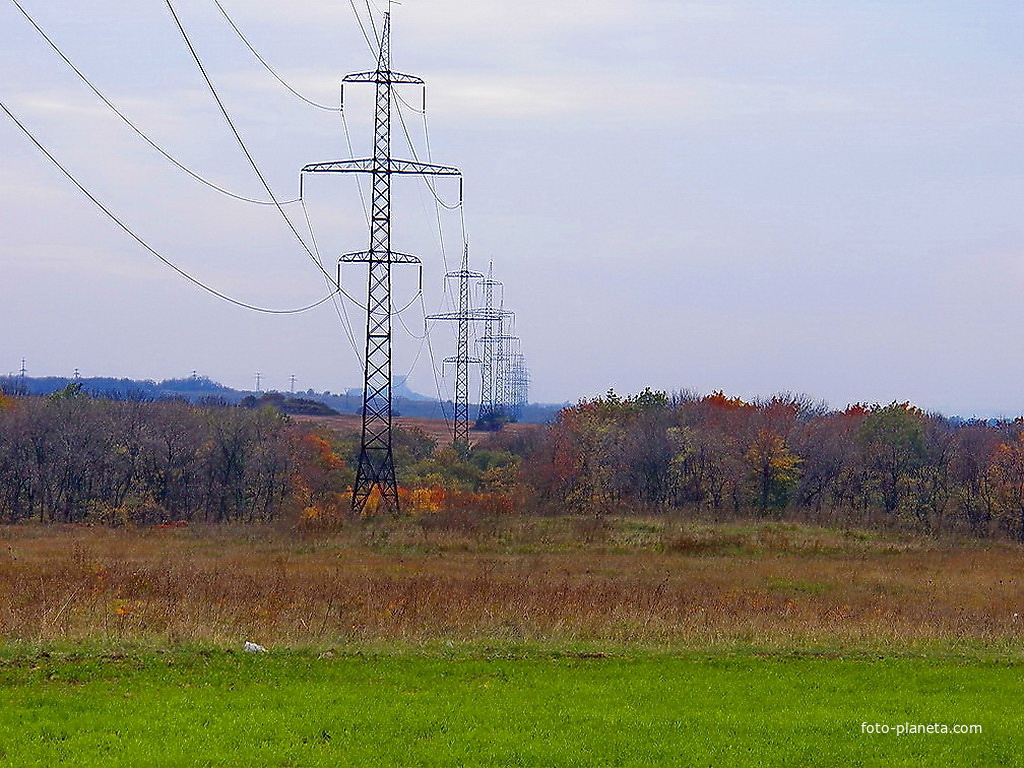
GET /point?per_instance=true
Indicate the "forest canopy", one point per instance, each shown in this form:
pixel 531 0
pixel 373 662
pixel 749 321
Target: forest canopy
pixel 73 458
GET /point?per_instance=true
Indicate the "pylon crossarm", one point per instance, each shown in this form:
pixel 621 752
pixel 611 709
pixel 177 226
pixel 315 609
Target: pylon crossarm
pixel 387 77
pixel 463 273
pixel 366 165
pixel 478 315
pixel 393 257
pixel 458 316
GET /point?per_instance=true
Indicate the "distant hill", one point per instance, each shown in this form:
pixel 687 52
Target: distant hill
pixel 292 405
pixel 201 389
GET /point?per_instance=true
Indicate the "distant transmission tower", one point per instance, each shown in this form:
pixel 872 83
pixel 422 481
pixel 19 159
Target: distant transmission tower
pixel 509 345
pixel 462 360
pixel 376 470
pixel 520 386
pixel 501 348
pixel 489 413
pixel 22 379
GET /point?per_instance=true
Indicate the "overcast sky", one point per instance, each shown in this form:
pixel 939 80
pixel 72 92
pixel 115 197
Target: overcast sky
pixel 815 196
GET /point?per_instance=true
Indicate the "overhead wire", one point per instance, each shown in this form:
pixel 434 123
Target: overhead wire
pixel 438 204
pixel 120 223
pixel 314 254
pixel 340 109
pixel 415 156
pixel 128 121
pixel 461 205
pixel 374 48
pixel 339 307
pixel 433 368
pixel 373 24
pixel 409 106
pixel 241 142
pixel 444 257
pixel 348 144
pixel 266 65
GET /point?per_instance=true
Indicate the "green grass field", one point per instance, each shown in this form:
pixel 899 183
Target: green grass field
pixel 529 707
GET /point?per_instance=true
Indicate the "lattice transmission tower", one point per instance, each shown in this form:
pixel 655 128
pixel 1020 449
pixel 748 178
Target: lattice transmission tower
pixel 376 470
pixel 503 348
pixel 491 413
pixel 462 360
pixel 520 386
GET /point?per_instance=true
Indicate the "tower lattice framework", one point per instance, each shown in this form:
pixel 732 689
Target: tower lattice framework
pixel 490 409
pixel 462 359
pixel 376 469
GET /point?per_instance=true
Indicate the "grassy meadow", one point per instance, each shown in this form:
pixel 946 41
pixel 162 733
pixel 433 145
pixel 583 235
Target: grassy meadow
pixel 624 580
pixel 511 641
pixel 508 707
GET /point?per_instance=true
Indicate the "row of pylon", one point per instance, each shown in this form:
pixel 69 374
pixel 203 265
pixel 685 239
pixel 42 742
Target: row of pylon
pixel 504 380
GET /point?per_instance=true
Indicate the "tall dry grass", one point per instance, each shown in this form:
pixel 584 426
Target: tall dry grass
pixel 622 580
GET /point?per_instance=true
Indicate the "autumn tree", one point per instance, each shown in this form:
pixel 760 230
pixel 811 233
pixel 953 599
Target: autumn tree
pixel 893 440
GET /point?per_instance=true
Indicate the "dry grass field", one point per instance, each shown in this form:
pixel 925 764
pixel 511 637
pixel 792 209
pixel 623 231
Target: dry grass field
pixel 516 579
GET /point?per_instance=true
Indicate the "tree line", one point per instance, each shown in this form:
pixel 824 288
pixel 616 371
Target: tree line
pixel 866 464
pixel 71 458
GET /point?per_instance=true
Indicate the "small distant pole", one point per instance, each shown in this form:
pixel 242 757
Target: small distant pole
pixel 258 390
pixel 293 383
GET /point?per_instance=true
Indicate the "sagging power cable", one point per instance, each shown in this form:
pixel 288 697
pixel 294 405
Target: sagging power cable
pixel 241 142
pixel 120 223
pixel 374 49
pixel 127 121
pixel 270 69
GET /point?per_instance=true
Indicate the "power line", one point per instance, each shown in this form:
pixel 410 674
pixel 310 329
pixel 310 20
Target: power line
pixel 113 217
pixel 127 121
pixel 339 310
pixel 269 68
pixel 409 106
pixel 348 143
pixel 433 368
pixel 373 24
pixel 438 203
pixel 238 138
pixel 415 156
pixel 362 28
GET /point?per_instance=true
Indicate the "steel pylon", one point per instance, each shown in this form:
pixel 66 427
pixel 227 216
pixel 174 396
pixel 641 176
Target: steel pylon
pixel 520 386
pixel 502 348
pixel 375 474
pixel 462 360
pixel 492 326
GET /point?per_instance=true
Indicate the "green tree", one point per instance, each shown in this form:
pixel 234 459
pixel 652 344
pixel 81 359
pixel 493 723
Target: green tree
pixel 893 441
